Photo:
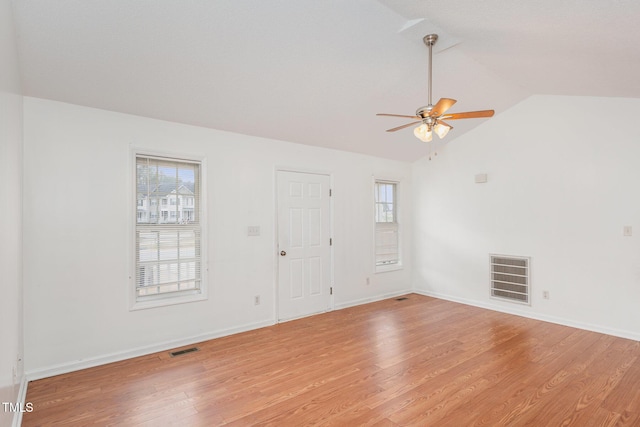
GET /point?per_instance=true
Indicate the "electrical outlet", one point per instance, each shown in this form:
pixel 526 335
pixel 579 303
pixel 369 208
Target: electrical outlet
pixel 253 230
pixel 545 294
pixel 256 300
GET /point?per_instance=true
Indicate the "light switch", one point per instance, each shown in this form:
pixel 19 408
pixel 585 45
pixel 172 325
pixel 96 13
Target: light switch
pixel 481 178
pixel 253 230
pixel 627 231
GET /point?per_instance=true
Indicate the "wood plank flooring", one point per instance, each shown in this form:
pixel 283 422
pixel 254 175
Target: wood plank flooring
pixel 421 361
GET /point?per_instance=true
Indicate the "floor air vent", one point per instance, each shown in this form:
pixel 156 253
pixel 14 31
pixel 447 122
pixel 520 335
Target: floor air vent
pixel 510 278
pixel 185 351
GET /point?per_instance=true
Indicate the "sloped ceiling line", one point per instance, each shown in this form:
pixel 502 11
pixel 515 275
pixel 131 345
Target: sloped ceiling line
pixel 317 72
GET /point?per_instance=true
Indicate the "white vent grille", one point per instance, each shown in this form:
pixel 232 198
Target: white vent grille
pixel 510 278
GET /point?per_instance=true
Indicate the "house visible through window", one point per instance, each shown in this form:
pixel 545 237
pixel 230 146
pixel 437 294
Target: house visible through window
pixel 168 233
pixel 386 225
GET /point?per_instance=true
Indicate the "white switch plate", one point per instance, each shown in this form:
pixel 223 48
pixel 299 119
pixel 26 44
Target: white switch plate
pixel 627 231
pixel 253 230
pixel 481 178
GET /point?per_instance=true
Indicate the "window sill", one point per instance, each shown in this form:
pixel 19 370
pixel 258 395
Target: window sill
pixel 387 268
pixel 162 302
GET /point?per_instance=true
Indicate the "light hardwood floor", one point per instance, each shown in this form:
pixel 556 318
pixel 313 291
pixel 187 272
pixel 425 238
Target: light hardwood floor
pixel 421 361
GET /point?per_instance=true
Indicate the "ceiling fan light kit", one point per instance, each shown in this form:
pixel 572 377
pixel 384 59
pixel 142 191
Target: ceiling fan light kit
pixel 430 118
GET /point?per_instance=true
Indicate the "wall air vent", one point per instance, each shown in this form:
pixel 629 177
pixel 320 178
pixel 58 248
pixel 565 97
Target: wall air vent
pixel 511 278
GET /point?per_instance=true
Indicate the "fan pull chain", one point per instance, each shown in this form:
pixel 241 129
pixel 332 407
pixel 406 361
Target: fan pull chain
pixel 431 152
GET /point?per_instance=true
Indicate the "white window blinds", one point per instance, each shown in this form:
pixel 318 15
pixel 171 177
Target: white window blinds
pixel 386 227
pixel 168 229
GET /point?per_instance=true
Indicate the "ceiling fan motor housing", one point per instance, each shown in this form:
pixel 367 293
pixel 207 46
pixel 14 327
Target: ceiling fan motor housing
pixel 424 111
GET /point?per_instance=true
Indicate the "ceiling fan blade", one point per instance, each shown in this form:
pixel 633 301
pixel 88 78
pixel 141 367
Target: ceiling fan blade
pixel 441 106
pixel 404 126
pixel 469 115
pixel 398 115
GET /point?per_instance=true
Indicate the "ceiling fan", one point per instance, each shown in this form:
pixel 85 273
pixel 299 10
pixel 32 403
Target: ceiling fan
pixel 431 117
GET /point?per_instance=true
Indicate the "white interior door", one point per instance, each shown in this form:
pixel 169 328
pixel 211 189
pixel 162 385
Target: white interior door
pixel 304 254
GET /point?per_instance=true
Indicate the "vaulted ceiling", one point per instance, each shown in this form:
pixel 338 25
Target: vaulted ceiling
pixel 316 72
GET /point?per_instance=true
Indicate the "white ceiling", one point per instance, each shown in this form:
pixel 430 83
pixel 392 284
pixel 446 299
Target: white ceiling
pixel 317 71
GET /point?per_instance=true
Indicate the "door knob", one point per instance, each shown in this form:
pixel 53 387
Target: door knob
pixel 282 253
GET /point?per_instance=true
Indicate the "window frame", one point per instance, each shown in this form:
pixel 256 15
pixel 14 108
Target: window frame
pixel 160 300
pixel 381 268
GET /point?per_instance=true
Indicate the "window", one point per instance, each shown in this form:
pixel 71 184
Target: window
pixel 387 253
pixel 168 243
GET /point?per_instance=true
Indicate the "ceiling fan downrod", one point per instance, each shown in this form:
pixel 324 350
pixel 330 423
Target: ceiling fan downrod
pixel 430 40
pixel 425 111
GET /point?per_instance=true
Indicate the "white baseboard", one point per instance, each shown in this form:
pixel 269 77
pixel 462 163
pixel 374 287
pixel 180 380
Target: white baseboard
pixel 533 315
pixel 367 300
pixel 21 398
pixel 64 368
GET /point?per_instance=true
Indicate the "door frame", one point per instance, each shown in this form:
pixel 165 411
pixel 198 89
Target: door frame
pixel 276 237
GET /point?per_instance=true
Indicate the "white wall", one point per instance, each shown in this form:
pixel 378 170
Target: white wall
pixel 77 222
pixel 11 331
pixel 561 196
pixel 563 181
